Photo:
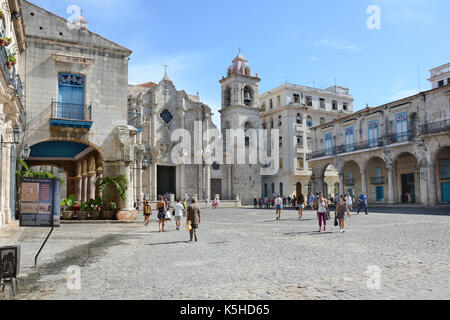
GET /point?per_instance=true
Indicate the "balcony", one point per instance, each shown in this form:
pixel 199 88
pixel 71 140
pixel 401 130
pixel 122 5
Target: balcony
pixel 377 180
pixel 70 115
pixel 436 127
pixel 11 75
pixel 349 182
pixel 364 145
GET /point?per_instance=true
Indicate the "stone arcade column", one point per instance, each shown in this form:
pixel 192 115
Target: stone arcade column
pixel 391 188
pixel 84 187
pixel 423 182
pixel 91 184
pixel 341 182
pixel 78 187
pixel 432 185
pixel 99 174
pixel 363 181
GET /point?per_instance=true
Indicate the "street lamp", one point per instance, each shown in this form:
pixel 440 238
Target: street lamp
pixel 26 151
pixel 16 136
pixel 144 164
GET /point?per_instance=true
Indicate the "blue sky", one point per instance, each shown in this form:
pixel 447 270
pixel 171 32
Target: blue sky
pixel 303 42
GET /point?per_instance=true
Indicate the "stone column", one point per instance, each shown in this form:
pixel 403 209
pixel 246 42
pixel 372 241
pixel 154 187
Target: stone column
pixel 391 188
pixel 139 193
pixel 200 189
pixel 432 185
pixel 341 182
pixel 84 189
pixel 153 181
pixel 423 181
pixel 208 181
pixel 363 181
pixel 99 174
pixel 91 185
pixel 125 170
pixel 78 187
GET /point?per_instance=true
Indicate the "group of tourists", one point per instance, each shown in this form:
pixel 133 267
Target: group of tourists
pixel 269 202
pixel 342 206
pixel 179 210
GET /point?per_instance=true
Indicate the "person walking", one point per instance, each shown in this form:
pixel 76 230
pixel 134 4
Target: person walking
pixel 363 202
pixel 311 201
pixel 341 210
pixel 349 201
pixel 300 206
pixel 179 211
pixel 193 218
pixel 162 210
pixel 255 202
pixel 322 207
pixel 147 212
pixel 278 206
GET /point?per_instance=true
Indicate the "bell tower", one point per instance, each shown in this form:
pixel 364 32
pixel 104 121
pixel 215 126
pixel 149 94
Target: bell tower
pixel 240 110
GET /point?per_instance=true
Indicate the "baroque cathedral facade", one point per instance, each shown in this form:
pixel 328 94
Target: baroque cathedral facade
pixel 158 111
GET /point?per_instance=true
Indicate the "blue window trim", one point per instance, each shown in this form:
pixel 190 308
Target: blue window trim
pixel 375 140
pixel 328 146
pixel 378 172
pixel 404 135
pixel 349 145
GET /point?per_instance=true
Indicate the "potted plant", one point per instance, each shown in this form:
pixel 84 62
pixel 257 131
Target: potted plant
pixel 93 208
pixel 110 214
pixel 2 14
pixel 82 214
pixel 2 42
pixel 67 205
pixel 12 59
pixel 8 41
pixel 117 189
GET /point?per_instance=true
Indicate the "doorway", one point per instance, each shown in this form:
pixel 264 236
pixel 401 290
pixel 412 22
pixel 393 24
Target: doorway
pixel 408 188
pixel 298 190
pixel 216 187
pixel 166 181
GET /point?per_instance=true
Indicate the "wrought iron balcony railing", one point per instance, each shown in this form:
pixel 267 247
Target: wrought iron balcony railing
pixel 11 75
pixel 349 182
pixel 71 111
pixel 363 145
pixel 435 127
pixel 377 180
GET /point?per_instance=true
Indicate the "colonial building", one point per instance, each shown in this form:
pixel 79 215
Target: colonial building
pixel 294 109
pixel 12 122
pixel 76 93
pixel 398 152
pixel 158 110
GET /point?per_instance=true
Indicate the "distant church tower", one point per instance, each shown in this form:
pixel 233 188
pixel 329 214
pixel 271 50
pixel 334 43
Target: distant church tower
pixel 240 109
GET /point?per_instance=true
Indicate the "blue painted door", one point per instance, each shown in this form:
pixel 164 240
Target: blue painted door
pixel 445 189
pixel 71 97
pixel 380 193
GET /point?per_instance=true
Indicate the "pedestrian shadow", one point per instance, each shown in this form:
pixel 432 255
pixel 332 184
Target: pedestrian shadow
pixel 289 220
pixel 310 233
pixel 166 243
pixel 165 231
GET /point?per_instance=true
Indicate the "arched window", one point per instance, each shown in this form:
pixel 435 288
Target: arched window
pixel 280 122
pixel 227 97
pixel 299 118
pixel 273 189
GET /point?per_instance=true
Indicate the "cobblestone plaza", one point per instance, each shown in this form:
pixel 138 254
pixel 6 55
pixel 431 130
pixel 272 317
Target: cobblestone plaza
pixel 245 254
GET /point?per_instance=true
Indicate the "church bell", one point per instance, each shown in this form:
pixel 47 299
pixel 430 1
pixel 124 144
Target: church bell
pixel 247 97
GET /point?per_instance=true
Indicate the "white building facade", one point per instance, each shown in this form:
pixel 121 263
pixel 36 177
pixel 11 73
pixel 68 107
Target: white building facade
pixel 293 110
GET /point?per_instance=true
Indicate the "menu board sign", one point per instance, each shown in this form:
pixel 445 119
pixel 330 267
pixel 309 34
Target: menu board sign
pixel 40 202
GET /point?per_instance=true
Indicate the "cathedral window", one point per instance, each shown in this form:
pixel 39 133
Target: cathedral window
pixel 166 116
pixel 308 101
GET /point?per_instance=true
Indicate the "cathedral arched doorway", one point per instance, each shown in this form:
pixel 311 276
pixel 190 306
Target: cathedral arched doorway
pixel 298 190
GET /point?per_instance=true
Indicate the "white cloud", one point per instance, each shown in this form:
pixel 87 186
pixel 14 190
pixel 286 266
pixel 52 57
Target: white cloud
pixel 338 45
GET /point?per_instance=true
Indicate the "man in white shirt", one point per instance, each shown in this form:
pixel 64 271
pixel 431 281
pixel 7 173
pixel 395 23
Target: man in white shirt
pixel 278 206
pixel 179 210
